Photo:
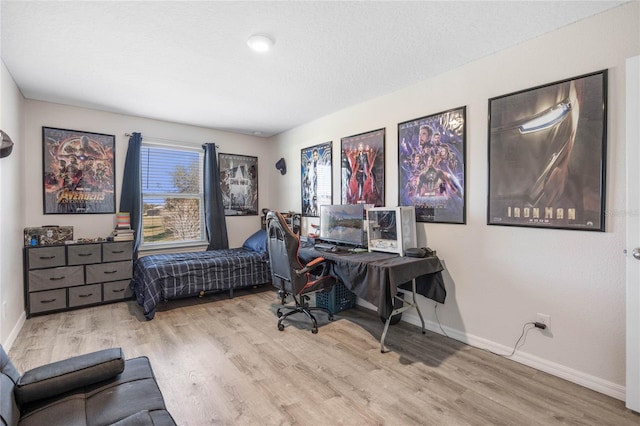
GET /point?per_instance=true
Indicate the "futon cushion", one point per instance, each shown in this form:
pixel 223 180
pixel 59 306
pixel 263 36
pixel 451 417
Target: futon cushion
pixel 131 398
pixel 257 242
pixel 143 418
pixel 9 411
pixel 7 367
pixel 63 376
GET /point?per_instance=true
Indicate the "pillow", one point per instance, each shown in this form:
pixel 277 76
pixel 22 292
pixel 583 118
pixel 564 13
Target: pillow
pixel 257 242
pixel 72 373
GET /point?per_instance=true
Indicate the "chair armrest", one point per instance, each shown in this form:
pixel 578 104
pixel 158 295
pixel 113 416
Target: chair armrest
pixel 60 377
pixel 315 262
pixel 318 261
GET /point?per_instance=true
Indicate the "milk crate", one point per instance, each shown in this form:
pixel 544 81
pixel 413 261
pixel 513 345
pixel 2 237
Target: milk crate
pixel 336 300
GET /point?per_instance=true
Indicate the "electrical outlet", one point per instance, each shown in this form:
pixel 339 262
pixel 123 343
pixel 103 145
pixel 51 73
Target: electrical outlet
pixel 544 319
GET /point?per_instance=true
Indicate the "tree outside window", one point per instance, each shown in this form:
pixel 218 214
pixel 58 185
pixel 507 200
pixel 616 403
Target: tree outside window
pixel 172 195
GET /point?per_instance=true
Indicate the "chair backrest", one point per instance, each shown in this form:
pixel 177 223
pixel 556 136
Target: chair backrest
pixel 9 411
pixel 283 247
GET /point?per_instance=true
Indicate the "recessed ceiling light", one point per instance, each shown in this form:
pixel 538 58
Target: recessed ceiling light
pixel 260 42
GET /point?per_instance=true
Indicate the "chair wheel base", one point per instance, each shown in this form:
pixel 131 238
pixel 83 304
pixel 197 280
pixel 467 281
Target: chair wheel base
pixel 303 308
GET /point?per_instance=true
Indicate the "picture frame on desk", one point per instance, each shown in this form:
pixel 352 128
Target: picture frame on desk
pixel 547 155
pixel 78 172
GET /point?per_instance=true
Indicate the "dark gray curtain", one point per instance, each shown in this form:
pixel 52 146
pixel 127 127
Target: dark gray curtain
pixel 216 225
pixel 131 195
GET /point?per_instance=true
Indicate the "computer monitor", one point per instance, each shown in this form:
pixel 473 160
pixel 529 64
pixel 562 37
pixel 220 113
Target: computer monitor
pixel 343 224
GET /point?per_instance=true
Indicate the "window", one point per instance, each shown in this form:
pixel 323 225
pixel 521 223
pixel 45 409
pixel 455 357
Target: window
pixel 172 195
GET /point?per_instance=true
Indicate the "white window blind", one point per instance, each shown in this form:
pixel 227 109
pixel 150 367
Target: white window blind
pixel 172 195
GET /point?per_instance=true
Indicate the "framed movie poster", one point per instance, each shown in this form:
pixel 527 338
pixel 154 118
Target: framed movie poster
pixel 316 178
pixel 362 168
pixel 547 155
pixel 239 183
pixel 78 172
pixel 432 161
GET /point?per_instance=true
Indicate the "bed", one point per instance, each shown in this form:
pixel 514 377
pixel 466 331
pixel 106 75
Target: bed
pixel 160 277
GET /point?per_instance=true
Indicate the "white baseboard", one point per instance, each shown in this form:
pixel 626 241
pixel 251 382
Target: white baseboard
pixel 14 333
pixel 588 381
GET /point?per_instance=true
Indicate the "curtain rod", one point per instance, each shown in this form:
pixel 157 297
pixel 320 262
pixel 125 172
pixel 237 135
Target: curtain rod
pixel 163 139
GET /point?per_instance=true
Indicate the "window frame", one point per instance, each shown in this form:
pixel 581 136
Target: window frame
pixel 202 240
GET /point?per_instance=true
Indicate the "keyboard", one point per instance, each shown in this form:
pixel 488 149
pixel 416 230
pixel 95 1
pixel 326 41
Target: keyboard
pixel 324 247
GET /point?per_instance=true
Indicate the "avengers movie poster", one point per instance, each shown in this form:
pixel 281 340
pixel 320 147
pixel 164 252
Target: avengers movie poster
pixel 362 170
pixel 547 155
pixel 79 172
pixel 316 178
pixel 431 154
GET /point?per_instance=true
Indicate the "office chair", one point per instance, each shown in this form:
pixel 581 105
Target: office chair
pixel 290 275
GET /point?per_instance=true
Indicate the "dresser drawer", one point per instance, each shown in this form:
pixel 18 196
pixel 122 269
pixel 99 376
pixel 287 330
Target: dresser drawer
pixel 85 295
pixel 113 271
pixel 47 279
pixel 83 254
pixel 47 300
pixel 68 276
pixel 112 252
pixel 116 290
pixel 46 257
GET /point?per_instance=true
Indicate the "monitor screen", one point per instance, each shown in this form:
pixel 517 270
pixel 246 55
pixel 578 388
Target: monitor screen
pixel 343 224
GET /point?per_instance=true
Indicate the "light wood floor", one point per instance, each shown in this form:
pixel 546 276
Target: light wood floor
pixel 222 361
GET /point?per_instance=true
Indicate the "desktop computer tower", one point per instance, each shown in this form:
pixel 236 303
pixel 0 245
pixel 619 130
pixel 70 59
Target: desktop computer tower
pixel 391 229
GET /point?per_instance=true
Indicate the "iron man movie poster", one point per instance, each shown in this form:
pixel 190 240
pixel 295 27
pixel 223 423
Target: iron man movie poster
pixel 547 155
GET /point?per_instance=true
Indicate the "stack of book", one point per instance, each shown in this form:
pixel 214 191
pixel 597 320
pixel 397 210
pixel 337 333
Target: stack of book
pixel 123 234
pixel 123 231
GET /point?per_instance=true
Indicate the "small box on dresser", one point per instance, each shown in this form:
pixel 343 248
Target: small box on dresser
pixel 58 278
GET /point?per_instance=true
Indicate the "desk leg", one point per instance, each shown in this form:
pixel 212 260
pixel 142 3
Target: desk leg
pixel 408 305
pixel 415 303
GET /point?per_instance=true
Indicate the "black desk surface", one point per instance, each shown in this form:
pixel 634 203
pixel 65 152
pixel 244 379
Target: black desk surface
pixel 376 276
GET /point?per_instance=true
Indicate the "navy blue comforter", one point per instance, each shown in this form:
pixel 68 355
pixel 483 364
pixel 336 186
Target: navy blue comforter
pixel 160 277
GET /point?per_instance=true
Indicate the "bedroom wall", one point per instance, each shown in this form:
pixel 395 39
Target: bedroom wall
pixel 39 114
pixel 498 278
pixel 11 211
pixel 21 180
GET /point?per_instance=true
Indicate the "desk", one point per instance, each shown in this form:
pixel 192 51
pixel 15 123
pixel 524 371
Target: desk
pixel 376 278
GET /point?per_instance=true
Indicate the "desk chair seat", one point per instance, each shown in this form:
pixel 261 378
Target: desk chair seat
pixel 291 276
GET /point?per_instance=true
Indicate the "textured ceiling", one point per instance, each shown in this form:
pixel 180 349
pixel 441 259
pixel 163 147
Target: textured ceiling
pixel 188 62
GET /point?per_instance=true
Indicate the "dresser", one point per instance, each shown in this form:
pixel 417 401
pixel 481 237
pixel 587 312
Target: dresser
pixel 58 278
